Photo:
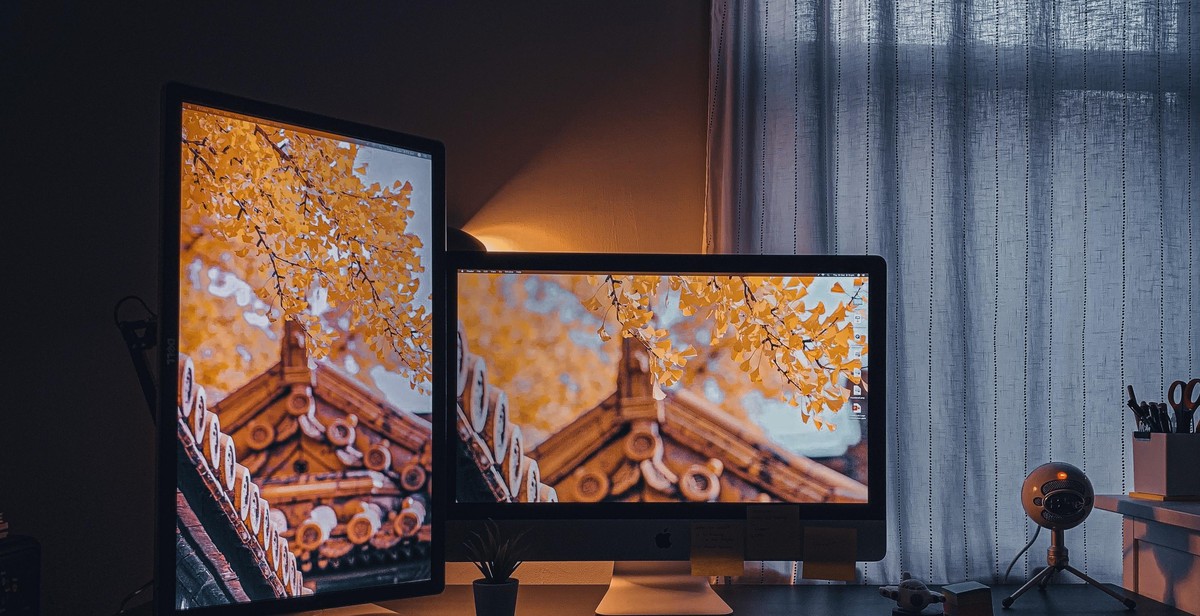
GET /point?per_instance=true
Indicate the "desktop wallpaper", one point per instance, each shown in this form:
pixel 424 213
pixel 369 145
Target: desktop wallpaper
pixel 304 441
pixel 627 388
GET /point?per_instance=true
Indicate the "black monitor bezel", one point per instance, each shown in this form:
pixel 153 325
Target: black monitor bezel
pixel 874 266
pixel 174 97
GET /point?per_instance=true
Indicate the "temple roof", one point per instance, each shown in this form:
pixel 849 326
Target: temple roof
pixel 632 446
pixel 229 545
pixel 491 463
pixel 346 470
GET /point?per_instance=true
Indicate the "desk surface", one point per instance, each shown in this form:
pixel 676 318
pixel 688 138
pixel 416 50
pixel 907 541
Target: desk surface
pixel 1181 514
pixel 1065 599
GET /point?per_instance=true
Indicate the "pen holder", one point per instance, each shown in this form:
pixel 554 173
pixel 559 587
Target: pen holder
pixel 1166 464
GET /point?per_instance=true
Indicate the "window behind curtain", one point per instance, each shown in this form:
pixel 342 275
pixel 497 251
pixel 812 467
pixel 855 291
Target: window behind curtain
pixel 1027 169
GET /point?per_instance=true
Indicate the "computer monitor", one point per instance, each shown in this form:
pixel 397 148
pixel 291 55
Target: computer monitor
pixel 300 401
pixel 608 402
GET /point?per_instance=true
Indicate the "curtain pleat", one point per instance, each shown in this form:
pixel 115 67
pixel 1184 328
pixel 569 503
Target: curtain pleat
pixel 1027 169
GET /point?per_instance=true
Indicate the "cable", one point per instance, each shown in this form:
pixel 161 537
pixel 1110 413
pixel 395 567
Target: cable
pixel 121 302
pixel 1021 553
pixel 129 597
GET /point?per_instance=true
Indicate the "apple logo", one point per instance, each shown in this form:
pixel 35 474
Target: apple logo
pixel 663 539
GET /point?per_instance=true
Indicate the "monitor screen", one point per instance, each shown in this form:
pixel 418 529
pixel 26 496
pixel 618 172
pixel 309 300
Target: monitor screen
pixel 619 386
pixel 302 446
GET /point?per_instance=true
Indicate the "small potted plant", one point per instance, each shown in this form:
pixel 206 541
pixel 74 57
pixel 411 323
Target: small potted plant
pixel 497 558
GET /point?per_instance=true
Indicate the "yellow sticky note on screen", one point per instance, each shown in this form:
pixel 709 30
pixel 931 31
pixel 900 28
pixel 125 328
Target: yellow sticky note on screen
pixel 829 553
pixel 718 548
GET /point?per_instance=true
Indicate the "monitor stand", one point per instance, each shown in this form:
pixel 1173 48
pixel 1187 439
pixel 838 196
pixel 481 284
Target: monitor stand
pixel 366 609
pixel 659 588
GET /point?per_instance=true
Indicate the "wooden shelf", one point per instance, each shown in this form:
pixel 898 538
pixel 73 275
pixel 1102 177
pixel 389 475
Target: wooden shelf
pixel 1174 513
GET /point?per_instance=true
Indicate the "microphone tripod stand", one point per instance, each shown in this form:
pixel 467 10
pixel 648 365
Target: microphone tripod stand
pixel 1057 560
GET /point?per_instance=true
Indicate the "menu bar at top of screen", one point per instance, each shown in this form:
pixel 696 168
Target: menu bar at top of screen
pixel 392 148
pixel 599 272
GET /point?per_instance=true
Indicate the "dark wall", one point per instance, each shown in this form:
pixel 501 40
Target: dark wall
pixel 509 87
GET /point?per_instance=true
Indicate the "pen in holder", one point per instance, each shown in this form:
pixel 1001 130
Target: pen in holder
pixel 1155 417
pixel 1165 421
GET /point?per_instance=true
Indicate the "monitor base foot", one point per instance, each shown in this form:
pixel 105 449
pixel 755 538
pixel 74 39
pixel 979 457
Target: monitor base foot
pixel 664 588
pixel 366 609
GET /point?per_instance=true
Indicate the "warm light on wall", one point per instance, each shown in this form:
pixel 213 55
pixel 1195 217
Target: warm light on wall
pixel 495 243
pixel 511 236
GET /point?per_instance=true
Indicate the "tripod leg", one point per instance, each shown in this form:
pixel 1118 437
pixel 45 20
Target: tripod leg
pixel 1047 579
pixel 1129 603
pixel 1030 584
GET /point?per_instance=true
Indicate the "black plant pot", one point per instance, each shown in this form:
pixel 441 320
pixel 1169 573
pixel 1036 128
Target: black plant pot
pixel 495 599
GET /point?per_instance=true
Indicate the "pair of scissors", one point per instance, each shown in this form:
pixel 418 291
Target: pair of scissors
pixel 1182 398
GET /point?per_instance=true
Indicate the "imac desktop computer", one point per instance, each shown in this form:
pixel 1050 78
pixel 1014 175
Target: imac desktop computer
pixel 299 412
pixel 607 404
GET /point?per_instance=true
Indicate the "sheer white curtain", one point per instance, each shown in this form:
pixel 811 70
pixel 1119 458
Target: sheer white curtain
pixel 1027 169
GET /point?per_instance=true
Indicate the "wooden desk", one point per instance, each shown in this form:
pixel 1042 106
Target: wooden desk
pixel 1065 599
pixel 1162 549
